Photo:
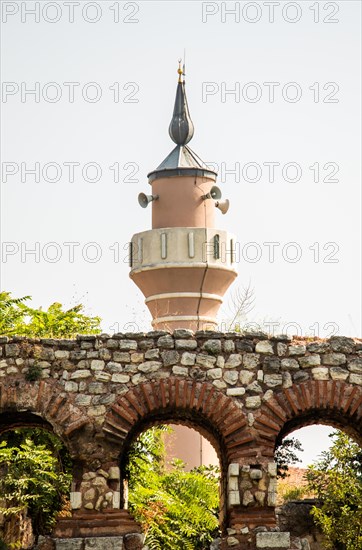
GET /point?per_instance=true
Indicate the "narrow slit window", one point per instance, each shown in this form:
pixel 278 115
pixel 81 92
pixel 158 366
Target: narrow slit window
pixel 163 246
pixel 217 247
pixel 140 250
pixel 191 245
pixel 130 254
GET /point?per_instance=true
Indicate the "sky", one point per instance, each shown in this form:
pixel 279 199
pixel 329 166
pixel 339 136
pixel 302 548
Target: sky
pixel 274 93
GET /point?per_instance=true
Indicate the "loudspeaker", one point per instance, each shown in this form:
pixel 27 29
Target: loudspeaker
pixel 215 192
pixel 223 206
pixel 144 200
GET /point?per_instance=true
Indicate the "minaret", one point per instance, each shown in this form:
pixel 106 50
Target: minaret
pixel 183 265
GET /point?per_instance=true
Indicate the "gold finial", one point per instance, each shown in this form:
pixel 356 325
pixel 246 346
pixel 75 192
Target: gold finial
pixel 180 71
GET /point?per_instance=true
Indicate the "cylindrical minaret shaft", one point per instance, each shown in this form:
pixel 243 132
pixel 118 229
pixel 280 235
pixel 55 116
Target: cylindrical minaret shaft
pixel 183 265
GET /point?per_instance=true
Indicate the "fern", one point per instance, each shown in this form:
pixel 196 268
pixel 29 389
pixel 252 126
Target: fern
pixel 177 509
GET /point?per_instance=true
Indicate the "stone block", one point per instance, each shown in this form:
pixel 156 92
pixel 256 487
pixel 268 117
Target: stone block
pixel 254 387
pixel 337 373
pixel 82 373
pixel 320 373
pixel 282 349
pixel 97 388
pixel 133 541
pixel 248 498
pixel 273 380
pixel 212 346
pixel 264 347
pixel 71 387
pixel 255 473
pixel 342 343
pixel 233 361
pixel 251 360
pixel 246 377
pixel 233 469
pixel 183 333
pixel 244 345
pixel 104 354
pixel 333 359
pixel 273 540
pixel 101 376
pixel 233 484
pixel 69 544
pixel 253 402
pixel 300 376
pixel 104 543
pixel 271 365
pixel 61 354
pixel 121 356
pixel 228 346
pixel 297 349
pixel 116 500
pixel 260 497
pixel 355 365
pixel 287 380
pixel 205 360
pixel 356 379
pixel 186 344
pixel 272 469
pixel 181 371
pixel 166 342
pixel 188 359
pixel 149 366
pixel 289 364
pixel 220 361
pixel 219 384
pixel 170 357
pixel 137 357
pixel 127 345
pixel 236 392
pixel 230 377
pixel 214 373
pixel 82 399
pixel 97 364
pixel 121 378
pixel 152 354
pixel 75 500
pixel 233 498
pixel 318 347
pixel 310 361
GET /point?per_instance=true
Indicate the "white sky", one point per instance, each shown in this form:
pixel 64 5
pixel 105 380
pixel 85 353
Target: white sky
pixel 319 295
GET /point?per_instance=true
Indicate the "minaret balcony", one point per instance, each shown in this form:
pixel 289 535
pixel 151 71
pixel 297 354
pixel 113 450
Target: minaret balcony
pixel 183 273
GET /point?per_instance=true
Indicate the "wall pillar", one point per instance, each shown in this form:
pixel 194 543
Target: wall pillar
pixel 251 501
pixel 97 522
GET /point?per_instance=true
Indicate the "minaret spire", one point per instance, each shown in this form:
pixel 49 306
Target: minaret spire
pixel 181 128
pixel 178 264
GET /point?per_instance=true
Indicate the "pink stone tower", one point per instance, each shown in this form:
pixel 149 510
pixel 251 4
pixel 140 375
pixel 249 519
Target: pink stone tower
pixel 183 265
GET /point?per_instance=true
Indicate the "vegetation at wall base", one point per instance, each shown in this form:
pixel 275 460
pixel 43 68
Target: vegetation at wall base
pixel 336 479
pixel 177 509
pixel 35 476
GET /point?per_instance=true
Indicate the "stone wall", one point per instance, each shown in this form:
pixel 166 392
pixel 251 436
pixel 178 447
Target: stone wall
pixel 244 392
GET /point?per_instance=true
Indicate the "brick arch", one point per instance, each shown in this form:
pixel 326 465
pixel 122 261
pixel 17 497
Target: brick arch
pixel 46 405
pixel 199 404
pixel 335 403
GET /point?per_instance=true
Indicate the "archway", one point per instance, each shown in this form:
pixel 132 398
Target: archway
pixel 35 478
pixel 176 506
pixel 332 403
pixel 45 404
pixel 196 404
pixel 336 403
